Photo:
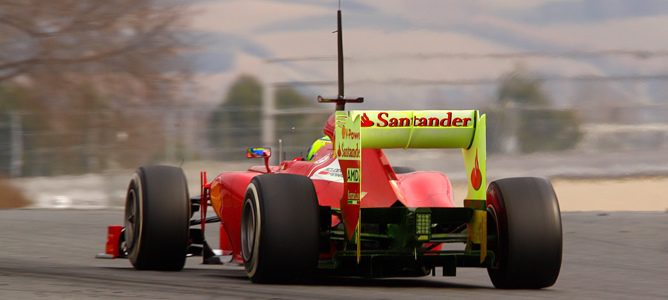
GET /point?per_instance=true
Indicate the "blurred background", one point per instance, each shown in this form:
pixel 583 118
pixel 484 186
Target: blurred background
pixel 575 90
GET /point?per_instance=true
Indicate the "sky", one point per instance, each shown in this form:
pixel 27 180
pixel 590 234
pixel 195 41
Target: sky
pixel 390 41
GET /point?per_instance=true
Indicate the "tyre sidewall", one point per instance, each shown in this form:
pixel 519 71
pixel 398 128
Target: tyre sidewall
pixel 253 199
pixel 138 236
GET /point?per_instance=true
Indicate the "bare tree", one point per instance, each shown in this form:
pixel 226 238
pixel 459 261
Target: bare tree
pixel 70 57
pixel 127 44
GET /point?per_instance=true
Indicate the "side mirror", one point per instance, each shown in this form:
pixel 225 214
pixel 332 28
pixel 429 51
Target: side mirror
pixel 258 152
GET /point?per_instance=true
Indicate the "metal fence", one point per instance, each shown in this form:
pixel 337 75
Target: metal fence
pixel 99 141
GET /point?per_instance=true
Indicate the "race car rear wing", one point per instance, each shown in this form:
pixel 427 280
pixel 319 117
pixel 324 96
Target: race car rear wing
pixel 463 129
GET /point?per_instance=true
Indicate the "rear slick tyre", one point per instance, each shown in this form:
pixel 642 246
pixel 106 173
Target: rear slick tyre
pixel 524 214
pixel 157 213
pixel 279 228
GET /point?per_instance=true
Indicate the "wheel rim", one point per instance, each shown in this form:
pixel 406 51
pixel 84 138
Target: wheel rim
pixel 248 221
pixel 122 245
pixel 131 216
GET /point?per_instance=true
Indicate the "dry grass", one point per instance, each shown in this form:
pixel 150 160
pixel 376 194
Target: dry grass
pixel 10 196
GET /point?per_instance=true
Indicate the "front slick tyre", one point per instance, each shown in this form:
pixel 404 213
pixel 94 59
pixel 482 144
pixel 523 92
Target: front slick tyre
pixel 524 214
pixel 279 228
pixel 157 213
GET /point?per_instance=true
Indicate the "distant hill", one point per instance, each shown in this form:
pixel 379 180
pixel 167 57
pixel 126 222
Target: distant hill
pixel 391 44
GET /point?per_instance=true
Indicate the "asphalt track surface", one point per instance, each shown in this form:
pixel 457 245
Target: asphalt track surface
pixel 48 254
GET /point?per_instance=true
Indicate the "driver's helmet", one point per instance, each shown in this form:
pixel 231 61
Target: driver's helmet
pixel 315 147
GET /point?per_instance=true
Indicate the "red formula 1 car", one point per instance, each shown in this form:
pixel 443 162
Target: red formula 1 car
pixel 346 211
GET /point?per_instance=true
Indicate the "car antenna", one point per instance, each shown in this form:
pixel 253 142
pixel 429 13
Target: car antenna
pixel 340 99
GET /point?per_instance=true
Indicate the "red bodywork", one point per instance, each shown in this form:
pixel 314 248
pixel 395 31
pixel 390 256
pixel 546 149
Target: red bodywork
pixel 382 186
